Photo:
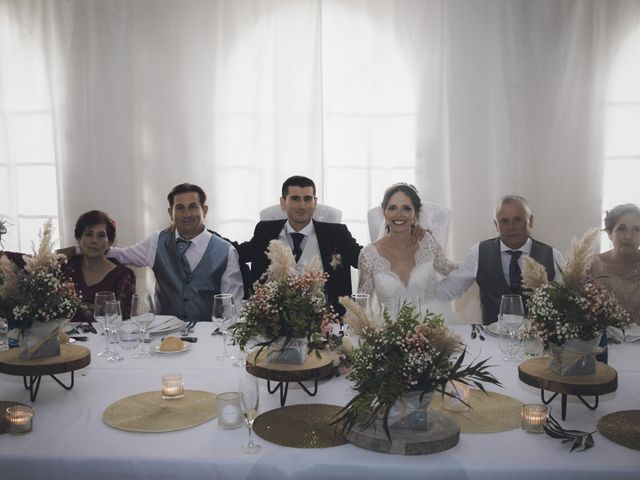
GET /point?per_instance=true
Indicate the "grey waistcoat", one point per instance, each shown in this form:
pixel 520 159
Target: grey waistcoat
pixel 189 297
pixel 491 280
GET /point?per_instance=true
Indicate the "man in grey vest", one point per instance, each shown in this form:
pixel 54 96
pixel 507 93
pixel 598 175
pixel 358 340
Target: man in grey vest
pixel 496 264
pixel 190 263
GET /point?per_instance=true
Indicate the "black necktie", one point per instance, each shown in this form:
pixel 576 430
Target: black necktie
pixel 515 273
pixel 297 241
pixel 183 246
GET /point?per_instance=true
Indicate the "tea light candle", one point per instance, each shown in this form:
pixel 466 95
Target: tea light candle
pixel 460 392
pixel 172 386
pixel 19 419
pixel 229 410
pixel 534 418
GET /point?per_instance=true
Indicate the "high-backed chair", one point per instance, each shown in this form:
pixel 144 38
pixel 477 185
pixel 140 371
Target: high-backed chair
pixel 434 217
pixel 323 213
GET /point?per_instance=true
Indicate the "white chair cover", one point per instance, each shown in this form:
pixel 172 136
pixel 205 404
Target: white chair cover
pixel 434 217
pixel 323 213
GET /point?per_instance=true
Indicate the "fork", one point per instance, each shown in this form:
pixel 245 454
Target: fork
pixel 188 328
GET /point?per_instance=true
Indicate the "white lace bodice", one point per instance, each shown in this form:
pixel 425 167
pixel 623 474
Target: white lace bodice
pixel 376 275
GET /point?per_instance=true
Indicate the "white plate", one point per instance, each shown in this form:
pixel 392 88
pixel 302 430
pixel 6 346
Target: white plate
pixel 492 329
pixel 185 347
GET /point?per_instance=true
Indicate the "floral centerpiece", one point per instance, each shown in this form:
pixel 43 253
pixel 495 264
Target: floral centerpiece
pixel 570 316
pixel 37 299
pixel 288 309
pixel 399 365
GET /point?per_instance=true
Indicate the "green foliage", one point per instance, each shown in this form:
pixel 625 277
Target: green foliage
pixel 408 354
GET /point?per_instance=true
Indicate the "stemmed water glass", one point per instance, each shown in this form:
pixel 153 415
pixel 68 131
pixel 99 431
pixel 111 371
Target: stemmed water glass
pixel 142 314
pixel 250 396
pixel 224 313
pixel 99 314
pixel 510 321
pixel 113 320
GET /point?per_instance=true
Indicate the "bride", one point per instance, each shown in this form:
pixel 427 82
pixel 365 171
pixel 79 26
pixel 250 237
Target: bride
pixel 399 268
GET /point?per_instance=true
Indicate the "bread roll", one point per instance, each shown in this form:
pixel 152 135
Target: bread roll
pixel 171 344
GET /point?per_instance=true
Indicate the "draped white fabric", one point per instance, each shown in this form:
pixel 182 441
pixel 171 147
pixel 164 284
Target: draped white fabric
pixel 468 99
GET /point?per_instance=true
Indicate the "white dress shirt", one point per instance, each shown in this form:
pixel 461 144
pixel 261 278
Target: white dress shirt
pixel 143 254
pixel 458 281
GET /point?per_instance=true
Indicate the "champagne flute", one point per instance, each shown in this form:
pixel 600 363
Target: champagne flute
pixel 509 323
pixel 142 315
pixel 224 312
pixel 113 319
pixel 99 306
pixel 250 396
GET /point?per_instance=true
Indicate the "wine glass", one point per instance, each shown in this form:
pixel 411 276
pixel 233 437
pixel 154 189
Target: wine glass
pixel 113 319
pixel 142 315
pixel 250 396
pixel 241 357
pixel 99 305
pixel 224 313
pixel 509 323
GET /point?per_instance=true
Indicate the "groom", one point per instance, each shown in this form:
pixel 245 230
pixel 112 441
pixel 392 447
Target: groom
pixel 307 238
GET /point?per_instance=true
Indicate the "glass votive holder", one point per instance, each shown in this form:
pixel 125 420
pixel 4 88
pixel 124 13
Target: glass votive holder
pixel 229 410
pixel 460 394
pixel 172 386
pixel 19 419
pixel 534 417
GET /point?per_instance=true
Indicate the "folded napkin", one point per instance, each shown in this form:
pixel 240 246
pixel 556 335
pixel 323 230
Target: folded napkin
pixel 630 334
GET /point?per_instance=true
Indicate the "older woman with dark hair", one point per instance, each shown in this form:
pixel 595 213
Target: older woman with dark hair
pixel 92 271
pixel 618 269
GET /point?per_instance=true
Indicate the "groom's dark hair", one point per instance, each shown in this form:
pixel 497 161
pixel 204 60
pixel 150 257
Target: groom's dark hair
pixel 297 181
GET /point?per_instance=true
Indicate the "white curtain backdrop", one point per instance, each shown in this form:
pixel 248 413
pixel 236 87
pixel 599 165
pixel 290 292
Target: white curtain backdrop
pixel 468 99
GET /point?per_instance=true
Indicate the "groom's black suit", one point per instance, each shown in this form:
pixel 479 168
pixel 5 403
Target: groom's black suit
pixel 333 239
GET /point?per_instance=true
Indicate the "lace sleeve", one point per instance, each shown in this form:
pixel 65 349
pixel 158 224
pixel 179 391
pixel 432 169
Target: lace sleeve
pixel 125 288
pixel 441 263
pixel 365 271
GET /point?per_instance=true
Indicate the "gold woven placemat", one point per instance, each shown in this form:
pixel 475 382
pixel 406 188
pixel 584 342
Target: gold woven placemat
pixel 622 428
pixel 148 412
pixel 301 426
pixel 4 404
pixel 490 413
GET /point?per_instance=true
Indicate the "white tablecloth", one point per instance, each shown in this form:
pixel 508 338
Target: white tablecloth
pixel 69 440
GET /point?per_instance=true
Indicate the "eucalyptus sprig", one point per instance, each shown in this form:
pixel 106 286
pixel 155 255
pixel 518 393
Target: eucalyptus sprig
pixel 577 438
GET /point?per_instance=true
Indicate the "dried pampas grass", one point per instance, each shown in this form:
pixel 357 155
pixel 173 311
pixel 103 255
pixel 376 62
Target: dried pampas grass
pixel 534 275
pixel 579 259
pixel 361 322
pixel 282 261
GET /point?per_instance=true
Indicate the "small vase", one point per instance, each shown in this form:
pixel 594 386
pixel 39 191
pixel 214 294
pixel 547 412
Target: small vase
pixel 410 412
pixel 575 357
pixel 295 352
pixel 41 340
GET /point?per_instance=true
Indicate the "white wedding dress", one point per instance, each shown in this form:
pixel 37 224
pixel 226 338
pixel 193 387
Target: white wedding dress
pixel 377 277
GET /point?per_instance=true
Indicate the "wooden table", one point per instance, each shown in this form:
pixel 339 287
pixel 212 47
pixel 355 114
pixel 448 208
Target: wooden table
pixel 314 368
pixel 535 372
pixel 71 358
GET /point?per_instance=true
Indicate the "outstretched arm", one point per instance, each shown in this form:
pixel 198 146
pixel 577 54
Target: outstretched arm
pixel 458 281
